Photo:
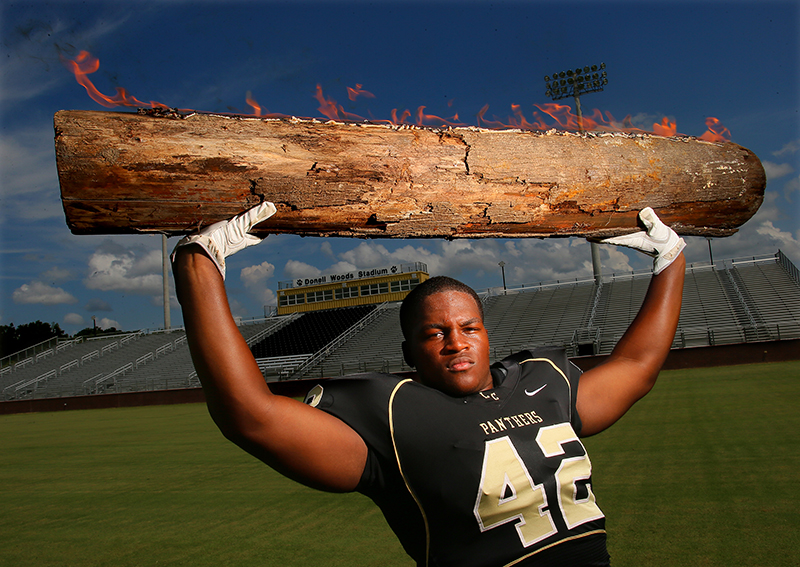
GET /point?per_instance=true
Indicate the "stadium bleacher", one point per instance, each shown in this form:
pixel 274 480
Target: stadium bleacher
pixel 730 302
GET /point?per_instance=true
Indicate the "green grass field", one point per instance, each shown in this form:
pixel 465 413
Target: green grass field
pixel 702 472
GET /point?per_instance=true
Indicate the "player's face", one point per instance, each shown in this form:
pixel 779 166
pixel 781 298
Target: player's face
pixel 449 345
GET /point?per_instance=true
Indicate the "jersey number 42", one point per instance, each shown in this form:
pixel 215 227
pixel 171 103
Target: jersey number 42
pixel 508 493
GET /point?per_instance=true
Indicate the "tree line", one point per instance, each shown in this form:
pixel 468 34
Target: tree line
pixel 16 338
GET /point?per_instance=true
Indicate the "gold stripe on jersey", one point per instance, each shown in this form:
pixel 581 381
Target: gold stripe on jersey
pixel 516 561
pixel 402 474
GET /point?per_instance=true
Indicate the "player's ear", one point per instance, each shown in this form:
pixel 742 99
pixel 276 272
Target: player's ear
pixel 407 354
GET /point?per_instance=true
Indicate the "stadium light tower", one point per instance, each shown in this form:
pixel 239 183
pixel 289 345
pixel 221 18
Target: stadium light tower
pixel 574 83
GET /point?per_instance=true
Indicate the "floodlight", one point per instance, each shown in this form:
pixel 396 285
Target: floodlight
pixel 572 82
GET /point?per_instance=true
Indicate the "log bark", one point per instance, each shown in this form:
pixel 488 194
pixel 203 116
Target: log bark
pixel 125 173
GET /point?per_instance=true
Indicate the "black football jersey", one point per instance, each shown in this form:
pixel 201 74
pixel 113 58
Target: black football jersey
pixel 495 478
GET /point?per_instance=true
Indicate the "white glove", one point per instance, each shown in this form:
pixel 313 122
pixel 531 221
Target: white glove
pixel 224 238
pixel 660 241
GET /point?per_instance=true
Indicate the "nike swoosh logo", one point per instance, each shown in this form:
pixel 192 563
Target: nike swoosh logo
pixel 531 394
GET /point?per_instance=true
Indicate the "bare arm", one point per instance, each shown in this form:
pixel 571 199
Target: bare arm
pixel 609 390
pixel 299 441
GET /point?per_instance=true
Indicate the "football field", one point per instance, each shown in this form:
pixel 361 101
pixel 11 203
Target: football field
pixel 702 472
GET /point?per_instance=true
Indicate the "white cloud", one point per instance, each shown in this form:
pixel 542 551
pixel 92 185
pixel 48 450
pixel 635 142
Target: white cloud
pixel 790 148
pixel 255 280
pixel 257 275
pixel 367 254
pixel 473 261
pixel 619 262
pixel 115 268
pixel 73 319
pixel 106 323
pixel 326 249
pixel 40 293
pixel 555 260
pixel 296 269
pixel 511 249
pixel 786 241
pixel 266 297
pixel 776 170
pixel 341 267
pixel 452 258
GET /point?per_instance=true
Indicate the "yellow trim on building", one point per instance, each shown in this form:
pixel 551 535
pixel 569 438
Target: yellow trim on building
pixel 366 291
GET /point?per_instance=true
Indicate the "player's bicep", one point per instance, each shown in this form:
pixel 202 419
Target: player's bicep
pixel 607 392
pixel 307 445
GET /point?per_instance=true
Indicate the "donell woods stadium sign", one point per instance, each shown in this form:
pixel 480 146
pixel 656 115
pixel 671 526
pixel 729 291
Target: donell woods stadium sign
pixel 347 276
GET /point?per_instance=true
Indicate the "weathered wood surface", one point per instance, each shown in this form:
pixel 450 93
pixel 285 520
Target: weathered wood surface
pixel 124 172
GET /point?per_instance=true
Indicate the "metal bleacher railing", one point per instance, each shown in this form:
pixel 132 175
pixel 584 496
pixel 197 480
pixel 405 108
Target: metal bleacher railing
pixel 317 357
pixel 120 363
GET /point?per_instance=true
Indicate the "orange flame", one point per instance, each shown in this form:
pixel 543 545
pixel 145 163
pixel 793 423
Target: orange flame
pixel 253 104
pixel 666 128
pixel 561 113
pixel 352 94
pixel 423 119
pixel 260 111
pixel 329 108
pixel 403 116
pixel 86 64
pixel 716 131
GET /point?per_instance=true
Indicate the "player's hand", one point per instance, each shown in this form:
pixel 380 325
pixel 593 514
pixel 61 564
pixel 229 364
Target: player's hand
pixel 224 238
pixel 657 240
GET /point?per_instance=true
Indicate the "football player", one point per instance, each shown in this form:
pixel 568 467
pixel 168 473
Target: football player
pixel 472 463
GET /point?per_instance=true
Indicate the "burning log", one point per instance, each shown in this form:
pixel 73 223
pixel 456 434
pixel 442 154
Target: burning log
pixel 125 173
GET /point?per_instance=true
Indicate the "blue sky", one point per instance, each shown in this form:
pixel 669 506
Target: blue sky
pixel 737 61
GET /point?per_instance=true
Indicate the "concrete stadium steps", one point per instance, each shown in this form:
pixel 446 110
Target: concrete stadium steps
pixel 375 348
pixel 134 353
pixel 708 301
pixel 771 295
pixel 168 368
pixel 310 332
pixel 61 368
pixel 255 330
pixel 618 304
pixel 541 317
pixel 75 351
pixel 173 367
pixel 154 361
